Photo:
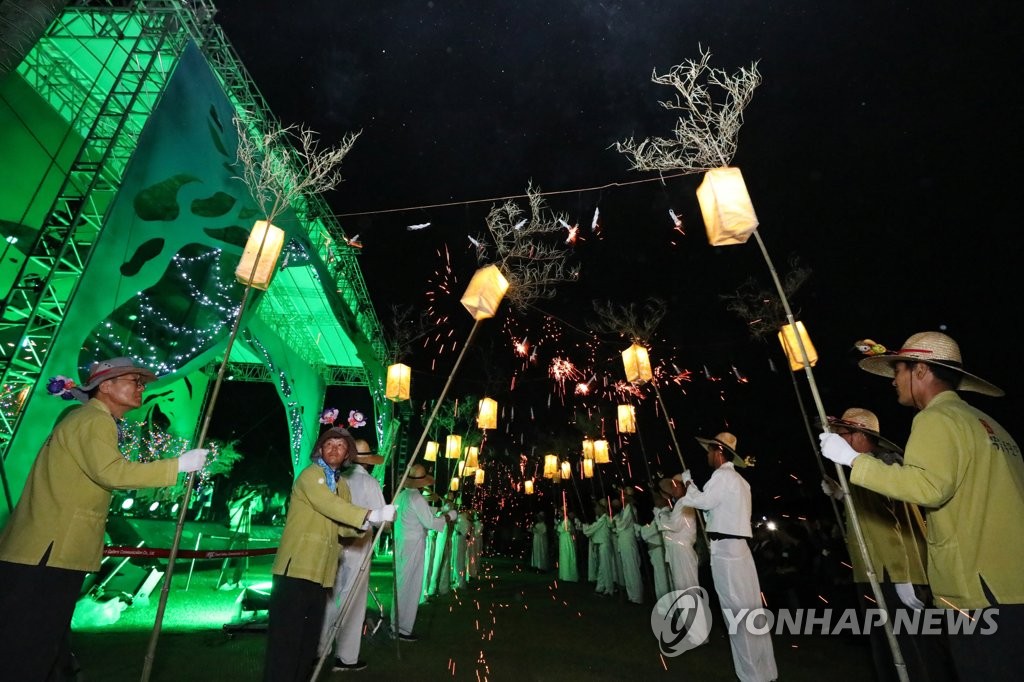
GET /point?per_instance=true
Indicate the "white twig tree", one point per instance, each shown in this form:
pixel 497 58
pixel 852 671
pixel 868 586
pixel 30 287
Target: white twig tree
pixel 707 132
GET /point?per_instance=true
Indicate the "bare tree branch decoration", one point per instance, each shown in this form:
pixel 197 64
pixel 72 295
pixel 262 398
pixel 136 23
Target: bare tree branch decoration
pixel 638 325
pixel 707 133
pixel 529 249
pixel 407 326
pixel 282 164
pixel 760 307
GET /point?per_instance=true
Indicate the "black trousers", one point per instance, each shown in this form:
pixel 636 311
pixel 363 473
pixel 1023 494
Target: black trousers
pixel 991 653
pixel 36 605
pixel 293 634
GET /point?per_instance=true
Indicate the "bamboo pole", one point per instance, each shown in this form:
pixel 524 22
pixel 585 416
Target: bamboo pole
pixel 398 488
pixel 851 510
pixel 147 665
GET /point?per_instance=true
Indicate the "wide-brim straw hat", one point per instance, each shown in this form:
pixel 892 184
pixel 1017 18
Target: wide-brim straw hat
pixel 934 348
pixel 865 421
pixel 367 455
pixel 728 443
pixel 417 477
pixel 113 368
pixel 330 434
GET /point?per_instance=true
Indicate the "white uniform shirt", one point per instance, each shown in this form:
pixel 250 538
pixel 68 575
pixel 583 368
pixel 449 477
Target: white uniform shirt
pixel 726 501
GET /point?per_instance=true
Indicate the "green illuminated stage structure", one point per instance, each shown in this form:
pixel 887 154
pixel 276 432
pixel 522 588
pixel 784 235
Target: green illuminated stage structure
pixel 124 217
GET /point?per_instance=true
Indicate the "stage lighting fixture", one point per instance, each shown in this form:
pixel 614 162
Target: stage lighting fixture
pixel 128 503
pixel 153 507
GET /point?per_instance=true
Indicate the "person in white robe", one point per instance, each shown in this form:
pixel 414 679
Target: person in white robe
pixel 353 573
pixel 412 522
pixel 539 556
pixel 476 546
pixel 678 525
pixel 651 534
pixel 624 526
pixel 441 573
pixel 616 509
pixel 726 502
pixel 566 550
pixel 433 501
pixel 600 533
pixel 460 545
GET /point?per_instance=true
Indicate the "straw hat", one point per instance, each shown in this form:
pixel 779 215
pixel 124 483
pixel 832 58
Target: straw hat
pixel 113 368
pixel 728 443
pixel 865 421
pixel 367 455
pixel 418 477
pixel 934 348
pixel 330 434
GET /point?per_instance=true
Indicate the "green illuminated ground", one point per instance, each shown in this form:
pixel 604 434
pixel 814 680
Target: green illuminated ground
pixel 511 625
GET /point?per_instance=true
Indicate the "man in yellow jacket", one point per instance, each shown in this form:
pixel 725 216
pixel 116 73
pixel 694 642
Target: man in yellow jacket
pixel 55 534
pixel 966 471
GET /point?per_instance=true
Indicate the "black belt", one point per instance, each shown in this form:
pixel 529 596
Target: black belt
pixel 725 536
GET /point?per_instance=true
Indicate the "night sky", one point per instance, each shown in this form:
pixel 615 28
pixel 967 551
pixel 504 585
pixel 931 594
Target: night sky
pixel 879 151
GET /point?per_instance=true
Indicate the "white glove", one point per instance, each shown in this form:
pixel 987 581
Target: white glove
pixel 835 448
pixel 192 460
pixel 687 477
pixel 452 515
pixel 831 488
pixel 379 516
pixel 905 591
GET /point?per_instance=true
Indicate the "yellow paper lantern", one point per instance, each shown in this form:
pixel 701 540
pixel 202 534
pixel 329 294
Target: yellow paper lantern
pixel 399 378
pixel 550 465
pixel 430 454
pixel 528 486
pixel 487 417
pixel 637 364
pixel 787 337
pixel 454 485
pixel 460 467
pixel 588 449
pixel 601 452
pixel 557 476
pixel 472 454
pixel 453 447
pixel 478 478
pixel 271 238
pixel 725 204
pixel 566 469
pixel 484 293
pixel 588 468
pixel 626 419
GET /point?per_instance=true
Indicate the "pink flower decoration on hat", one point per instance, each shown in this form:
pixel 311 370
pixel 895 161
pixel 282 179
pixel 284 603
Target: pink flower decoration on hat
pixel 356 419
pixel 329 416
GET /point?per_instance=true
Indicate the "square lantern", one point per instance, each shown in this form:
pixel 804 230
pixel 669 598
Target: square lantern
pixel 271 239
pixel 453 447
pixel 484 293
pixel 472 455
pixel 637 364
pixel 399 378
pixel 601 452
pixel 487 417
pixel 566 469
pixel 626 419
pixel 430 454
pixel 528 486
pixel 788 339
pixel 725 204
pixel 550 465
pixel 454 485
pixel 588 449
pixel 478 477
pixel 588 468
pixel 460 467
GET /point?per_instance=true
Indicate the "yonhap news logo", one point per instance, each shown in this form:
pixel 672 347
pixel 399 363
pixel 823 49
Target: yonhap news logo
pixel 681 620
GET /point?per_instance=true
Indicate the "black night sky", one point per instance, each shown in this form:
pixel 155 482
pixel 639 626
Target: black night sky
pixel 879 150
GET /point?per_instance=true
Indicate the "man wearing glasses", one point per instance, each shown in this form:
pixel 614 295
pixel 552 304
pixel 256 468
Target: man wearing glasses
pixel 55 534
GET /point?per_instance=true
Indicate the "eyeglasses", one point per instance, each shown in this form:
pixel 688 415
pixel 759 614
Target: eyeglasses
pixel 134 378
